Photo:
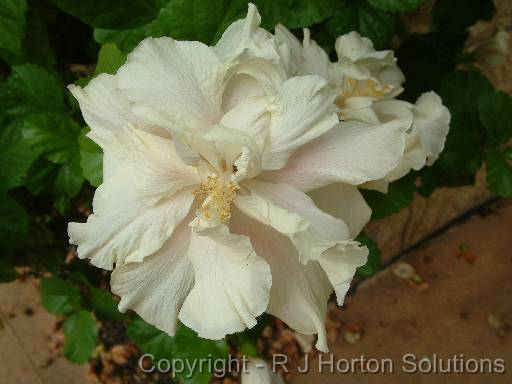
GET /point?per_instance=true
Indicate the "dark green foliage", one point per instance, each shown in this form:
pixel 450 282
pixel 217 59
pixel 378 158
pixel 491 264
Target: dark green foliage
pixel 374 262
pixel 399 195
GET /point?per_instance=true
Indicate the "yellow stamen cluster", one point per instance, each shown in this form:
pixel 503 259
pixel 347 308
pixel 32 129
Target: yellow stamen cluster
pixel 218 196
pixel 362 88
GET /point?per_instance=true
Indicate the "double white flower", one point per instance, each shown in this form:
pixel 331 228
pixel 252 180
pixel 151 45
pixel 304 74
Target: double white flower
pixel 367 82
pixel 229 185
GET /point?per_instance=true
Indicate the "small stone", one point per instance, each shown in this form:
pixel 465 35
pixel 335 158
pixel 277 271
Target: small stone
pixel 351 337
pixel 404 270
pixel 497 323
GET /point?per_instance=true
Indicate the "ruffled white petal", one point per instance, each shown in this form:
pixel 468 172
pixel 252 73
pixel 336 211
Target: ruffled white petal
pixel 105 107
pixel 158 169
pixel 345 202
pixel 124 229
pixel 303 111
pixel 232 284
pixel 175 84
pixel 433 123
pixel 352 153
pixel 316 60
pixel 291 49
pixel 353 46
pixel 316 235
pixel 291 212
pixel 246 35
pixel 299 292
pixel 157 287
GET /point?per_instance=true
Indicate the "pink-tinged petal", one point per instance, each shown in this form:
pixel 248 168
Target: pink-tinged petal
pixel 316 235
pixel 303 111
pixel 343 201
pixel 353 153
pixel 299 292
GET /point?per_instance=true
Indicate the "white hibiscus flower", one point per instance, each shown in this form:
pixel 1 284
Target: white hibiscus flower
pixel 367 81
pixel 208 153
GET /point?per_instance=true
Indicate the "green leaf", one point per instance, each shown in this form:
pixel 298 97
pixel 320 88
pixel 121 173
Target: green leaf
pixel 425 59
pixel 13 225
pixel 16 156
pixel 81 336
pixel 188 346
pixel 184 345
pixel 354 15
pixel 104 305
pixel 59 296
pixel 110 58
pixel 198 20
pixel 69 180
pixel 496 115
pixel 508 153
pixel 294 13
pixel 36 44
pixel 499 173
pixel 456 16
pixel 91 159
pixel 395 6
pixel 12 28
pixel 41 176
pixel 461 92
pixel 374 262
pixel 125 39
pixel 400 194
pixel 113 14
pixel 435 177
pixel 150 339
pixel 31 89
pixel 54 136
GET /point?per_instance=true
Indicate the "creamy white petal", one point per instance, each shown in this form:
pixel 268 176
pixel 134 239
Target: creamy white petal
pixel 294 51
pixel 316 235
pixel 177 84
pixel 124 229
pixel 340 263
pixel 158 169
pixel 266 197
pixel 432 123
pixel 303 111
pixel 345 202
pixel 104 106
pixel 299 292
pixel 353 46
pixel 316 60
pixel 232 284
pixel 353 153
pixel 157 287
pixel 244 35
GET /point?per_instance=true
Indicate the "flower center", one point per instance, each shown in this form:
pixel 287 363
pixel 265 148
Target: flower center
pixel 217 196
pixel 362 88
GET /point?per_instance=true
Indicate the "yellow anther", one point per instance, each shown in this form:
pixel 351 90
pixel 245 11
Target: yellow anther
pixel 218 196
pixel 362 88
